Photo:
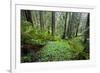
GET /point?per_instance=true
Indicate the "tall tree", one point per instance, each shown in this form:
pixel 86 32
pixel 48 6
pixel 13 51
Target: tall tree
pixel 53 23
pixel 23 16
pixel 28 15
pixel 78 23
pixel 41 20
pixel 69 29
pixel 86 37
pixel 64 33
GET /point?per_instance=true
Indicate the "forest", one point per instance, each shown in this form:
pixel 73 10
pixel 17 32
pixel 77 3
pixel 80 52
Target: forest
pixel 54 36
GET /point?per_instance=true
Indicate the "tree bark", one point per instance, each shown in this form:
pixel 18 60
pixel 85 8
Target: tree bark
pixel 78 25
pixel 64 33
pixel 41 21
pixel 53 23
pixel 23 16
pixel 69 30
pixel 86 37
pixel 28 16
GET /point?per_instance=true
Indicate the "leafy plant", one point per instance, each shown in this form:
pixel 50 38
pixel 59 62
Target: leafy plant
pixel 27 58
pixel 57 51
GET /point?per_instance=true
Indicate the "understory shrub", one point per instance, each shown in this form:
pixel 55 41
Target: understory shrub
pixel 60 50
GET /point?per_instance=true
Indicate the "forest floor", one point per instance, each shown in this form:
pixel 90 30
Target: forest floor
pixel 62 50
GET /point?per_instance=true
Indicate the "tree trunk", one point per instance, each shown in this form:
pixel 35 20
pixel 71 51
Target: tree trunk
pixel 64 33
pixel 86 37
pixel 53 23
pixel 69 30
pixel 78 25
pixel 41 20
pixel 77 30
pixel 28 16
pixel 23 16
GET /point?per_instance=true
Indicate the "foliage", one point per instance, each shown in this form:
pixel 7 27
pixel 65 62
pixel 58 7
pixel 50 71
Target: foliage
pixel 60 50
pixel 26 26
pixel 78 46
pixel 54 51
pixel 54 36
pixel 27 58
pixel 32 35
pixel 83 56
